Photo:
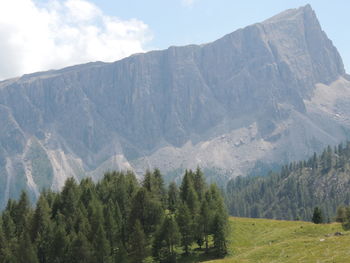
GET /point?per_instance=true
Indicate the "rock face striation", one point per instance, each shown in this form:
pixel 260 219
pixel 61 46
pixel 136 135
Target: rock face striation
pixel 263 95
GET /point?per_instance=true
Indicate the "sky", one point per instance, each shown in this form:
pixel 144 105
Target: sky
pixel 37 35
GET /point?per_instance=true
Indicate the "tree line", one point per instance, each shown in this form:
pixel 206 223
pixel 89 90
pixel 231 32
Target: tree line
pixel 292 193
pixel 117 219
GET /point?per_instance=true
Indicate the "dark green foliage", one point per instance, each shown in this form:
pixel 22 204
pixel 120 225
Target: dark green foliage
pixel 138 243
pixel 166 239
pixel 185 222
pixel 343 216
pixel 220 232
pixel 173 197
pixel 317 216
pixel 296 190
pixel 114 220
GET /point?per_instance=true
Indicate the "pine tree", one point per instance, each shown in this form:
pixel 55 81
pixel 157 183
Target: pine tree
pixel 26 251
pixel 5 252
pixel 9 226
pixel 138 243
pixel 69 198
pixel 317 216
pixel 22 213
pixel 185 223
pixel 205 222
pixel 81 250
pixel 341 214
pixel 173 197
pixel 159 189
pixel 199 183
pixel 101 245
pixel 146 209
pixel 219 233
pixel 41 218
pixel 60 242
pixel 166 239
pixel 172 235
pixel 189 195
pixel 41 230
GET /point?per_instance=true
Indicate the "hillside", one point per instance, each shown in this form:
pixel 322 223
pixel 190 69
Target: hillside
pixel 269 93
pixel 264 240
pixel 322 180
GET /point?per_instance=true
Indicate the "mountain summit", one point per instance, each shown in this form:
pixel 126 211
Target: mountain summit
pixel 263 95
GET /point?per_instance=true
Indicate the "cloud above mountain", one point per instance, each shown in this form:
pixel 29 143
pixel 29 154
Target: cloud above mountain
pixel 55 34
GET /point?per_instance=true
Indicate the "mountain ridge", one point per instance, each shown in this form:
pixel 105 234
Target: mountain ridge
pixel 223 106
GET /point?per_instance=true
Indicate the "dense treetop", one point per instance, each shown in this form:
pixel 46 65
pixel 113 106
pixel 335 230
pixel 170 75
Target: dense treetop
pixel 293 193
pixel 116 219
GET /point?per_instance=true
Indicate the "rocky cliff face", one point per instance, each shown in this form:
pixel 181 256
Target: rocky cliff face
pixel 254 96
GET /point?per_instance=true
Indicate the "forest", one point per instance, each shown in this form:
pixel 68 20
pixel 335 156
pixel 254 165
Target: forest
pixel 117 219
pixel 293 192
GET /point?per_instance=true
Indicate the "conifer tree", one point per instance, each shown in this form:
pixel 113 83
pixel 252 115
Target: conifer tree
pixel 171 234
pixel 101 245
pixel 173 197
pixel 21 213
pixel 205 222
pixel 81 250
pixel 166 239
pixel 219 233
pixel 41 218
pixel 185 223
pixel 60 242
pixel 317 216
pixel 5 252
pixel 138 243
pixel 189 195
pixel 41 230
pixel 199 183
pixel 69 198
pixel 26 252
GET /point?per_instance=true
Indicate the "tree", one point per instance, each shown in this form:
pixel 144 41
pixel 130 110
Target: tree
pixel 138 243
pixel 21 213
pixel 219 234
pixel 341 214
pixel 317 216
pixel 188 194
pixel 199 183
pixel 26 251
pixel 171 234
pixel 69 198
pixel 145 209
pixel 81 250
pixel 41 218
pixel 60 242
pixel 5 252
pixel 41 230
pixel 173 196
pixel 185 223
pixel 166 239
pixel 205 222
pixel 101 245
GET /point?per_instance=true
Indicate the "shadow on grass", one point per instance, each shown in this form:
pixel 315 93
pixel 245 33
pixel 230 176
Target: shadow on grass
pixel 198 255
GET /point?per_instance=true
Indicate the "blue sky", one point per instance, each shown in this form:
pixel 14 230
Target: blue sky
pixel 51 34
pixel 174 23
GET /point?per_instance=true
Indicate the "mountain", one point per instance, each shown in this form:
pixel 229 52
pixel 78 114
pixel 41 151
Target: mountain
pixel 261 96
pixel 322 181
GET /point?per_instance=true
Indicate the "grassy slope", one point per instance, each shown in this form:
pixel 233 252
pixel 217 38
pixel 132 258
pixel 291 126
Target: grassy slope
pixel 263 240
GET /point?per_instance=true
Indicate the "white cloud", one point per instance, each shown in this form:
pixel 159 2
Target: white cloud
pixel 63 33
pixel 188 3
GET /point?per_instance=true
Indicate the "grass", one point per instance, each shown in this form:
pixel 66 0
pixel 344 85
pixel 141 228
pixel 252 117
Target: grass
pixel 264 240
